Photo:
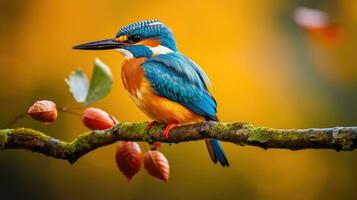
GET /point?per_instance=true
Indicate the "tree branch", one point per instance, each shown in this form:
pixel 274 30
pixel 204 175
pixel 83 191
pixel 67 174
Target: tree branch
pixel 339 138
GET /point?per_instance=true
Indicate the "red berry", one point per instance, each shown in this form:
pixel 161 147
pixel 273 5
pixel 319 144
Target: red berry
pixel 97 119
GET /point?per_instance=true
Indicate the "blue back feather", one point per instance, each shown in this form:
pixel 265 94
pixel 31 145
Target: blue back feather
pixel 177 78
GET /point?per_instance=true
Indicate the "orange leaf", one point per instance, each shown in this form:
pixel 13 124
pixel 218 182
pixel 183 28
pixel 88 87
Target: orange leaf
pixel 157 165
pixel 44 111
pixel 128 158
pixel 97 119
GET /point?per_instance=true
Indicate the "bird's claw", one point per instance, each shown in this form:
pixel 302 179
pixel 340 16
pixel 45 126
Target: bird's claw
pixel 168 129
pixel 166 135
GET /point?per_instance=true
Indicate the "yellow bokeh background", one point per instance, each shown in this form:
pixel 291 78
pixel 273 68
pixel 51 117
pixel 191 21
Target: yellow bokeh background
pixel 265 70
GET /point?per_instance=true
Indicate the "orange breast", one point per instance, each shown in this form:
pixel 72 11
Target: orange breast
pixel 132 74
pixel 154 106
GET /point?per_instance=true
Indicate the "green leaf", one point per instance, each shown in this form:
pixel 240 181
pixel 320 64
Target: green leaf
pixel 101 82
pixel 78 85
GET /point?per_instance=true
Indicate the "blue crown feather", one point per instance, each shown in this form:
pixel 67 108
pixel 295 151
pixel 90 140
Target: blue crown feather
pixel 150 29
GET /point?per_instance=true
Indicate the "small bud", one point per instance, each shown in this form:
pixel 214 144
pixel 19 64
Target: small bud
pixel 157 165
pixel 97 119
pixel 43 111
pixel 128 158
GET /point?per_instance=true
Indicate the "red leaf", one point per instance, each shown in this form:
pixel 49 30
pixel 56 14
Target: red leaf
pixel 157 165
pixel 97 119
pixel 44 111
pixel 128 158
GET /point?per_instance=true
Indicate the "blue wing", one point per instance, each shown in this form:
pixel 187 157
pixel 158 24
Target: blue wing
pixel 179 79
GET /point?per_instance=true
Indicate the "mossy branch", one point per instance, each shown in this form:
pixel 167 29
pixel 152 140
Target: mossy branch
pixel 339 138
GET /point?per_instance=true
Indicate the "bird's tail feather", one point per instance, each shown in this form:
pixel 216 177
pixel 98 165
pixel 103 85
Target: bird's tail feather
pixel 216 152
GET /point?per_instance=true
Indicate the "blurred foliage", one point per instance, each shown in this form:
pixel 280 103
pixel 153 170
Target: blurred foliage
pixel 265 70
pixel 100 83
pixel 98 87
pixel 78 85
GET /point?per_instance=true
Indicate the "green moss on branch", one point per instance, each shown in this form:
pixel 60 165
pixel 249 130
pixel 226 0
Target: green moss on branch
pixel 339 138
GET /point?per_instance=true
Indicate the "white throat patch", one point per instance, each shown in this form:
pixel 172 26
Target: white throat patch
pixel 127 54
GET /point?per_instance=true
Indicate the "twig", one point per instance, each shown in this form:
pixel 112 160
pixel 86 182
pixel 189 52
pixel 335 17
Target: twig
pixel 69 110
pixel 16 118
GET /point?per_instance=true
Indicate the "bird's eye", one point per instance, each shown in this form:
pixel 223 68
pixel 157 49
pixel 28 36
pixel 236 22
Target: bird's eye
pixel 134 39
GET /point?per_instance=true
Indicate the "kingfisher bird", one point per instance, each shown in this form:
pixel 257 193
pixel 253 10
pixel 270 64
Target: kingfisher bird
pixel 164 83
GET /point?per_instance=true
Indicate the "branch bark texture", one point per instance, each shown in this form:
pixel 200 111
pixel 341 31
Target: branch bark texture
pixel 338 138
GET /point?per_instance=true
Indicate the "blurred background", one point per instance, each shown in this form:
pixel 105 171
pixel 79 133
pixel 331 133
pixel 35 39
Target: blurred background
pixel 282 64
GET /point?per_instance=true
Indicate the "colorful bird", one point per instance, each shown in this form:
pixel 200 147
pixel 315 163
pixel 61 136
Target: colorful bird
pixel 165 84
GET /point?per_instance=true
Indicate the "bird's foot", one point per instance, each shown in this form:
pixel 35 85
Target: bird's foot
pixel 150 125
pixel 168 129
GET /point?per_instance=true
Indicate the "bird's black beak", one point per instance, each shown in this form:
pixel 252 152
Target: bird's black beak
pixel 100 45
